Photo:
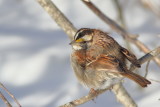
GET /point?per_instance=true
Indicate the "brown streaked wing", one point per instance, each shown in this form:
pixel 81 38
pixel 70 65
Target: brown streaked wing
pixel 111 64
pixel 131 57
pixel 104 63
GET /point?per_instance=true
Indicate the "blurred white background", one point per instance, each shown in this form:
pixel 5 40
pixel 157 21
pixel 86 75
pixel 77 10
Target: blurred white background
pixel 34 52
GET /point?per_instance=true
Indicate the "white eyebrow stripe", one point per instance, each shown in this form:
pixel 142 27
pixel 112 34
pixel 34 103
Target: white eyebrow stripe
pixel 76 35
pixel 79 32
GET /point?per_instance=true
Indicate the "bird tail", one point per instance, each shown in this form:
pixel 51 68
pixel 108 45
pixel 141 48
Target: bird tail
pixel 137 78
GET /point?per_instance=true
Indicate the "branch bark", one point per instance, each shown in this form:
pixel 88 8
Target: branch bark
pixel 122 96
pixel 150 5
pixel 83 99
pixel 147 57
pixel 5 100
pixel 10 94
pixel 59 17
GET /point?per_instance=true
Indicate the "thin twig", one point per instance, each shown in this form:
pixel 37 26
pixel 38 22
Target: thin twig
pixel 155 80
pixel 130 37
pixel 84 99
pixel 120 13
pixel 105 18
pixel 147 57
pixel 149 4
pixel 147 69
pixel 5 100
pixel 119 9
pixel 10 94
pixel 120 95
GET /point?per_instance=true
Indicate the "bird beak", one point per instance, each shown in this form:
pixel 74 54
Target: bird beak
pixel 72 42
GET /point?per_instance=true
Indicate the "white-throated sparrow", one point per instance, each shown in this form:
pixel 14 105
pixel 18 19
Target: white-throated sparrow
pixel 99 61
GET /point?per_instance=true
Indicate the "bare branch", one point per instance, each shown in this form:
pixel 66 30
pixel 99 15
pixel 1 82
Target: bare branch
pixel 119 9
pixel 147 69
pixel 59 17
pixel 5 100
pixel 147 57
pixel 84 99
pixel 10 94
pixel 122 96
pixel 149 4
pixel 120 12
pixel 154 80
pixel 118 89
pixel 130 37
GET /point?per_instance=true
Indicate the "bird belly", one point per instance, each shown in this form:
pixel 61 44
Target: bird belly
pixel 102 80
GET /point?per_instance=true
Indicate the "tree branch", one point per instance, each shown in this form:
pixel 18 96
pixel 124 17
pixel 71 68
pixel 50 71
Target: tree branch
pixel 149 4
pixel 5 100
pixel 119 10
pixel 10 94
pixel 59 17
pixel 147 57
pixel 122 96
pixel 84 99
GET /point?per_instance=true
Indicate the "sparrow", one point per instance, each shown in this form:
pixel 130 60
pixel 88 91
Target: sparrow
pixel 99 62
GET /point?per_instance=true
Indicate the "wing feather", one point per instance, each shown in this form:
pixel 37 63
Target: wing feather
pixel 105 63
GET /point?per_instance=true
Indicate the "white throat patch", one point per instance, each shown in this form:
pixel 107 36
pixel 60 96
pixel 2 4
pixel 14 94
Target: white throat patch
pixel 76 47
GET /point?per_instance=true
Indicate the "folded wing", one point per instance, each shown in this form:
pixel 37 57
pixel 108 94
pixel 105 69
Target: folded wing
pixel 110 64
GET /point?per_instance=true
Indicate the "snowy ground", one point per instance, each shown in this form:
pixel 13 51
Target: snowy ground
pixel 34 52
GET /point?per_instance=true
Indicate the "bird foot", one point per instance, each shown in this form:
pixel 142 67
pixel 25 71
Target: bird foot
pixel 94 93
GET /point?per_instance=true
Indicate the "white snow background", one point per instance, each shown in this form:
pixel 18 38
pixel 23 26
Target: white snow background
pixel 34 52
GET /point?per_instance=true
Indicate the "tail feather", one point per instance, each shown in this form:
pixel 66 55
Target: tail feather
pixel 137 78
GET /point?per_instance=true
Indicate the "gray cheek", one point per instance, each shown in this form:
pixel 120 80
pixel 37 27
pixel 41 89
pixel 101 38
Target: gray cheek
pixel 89 44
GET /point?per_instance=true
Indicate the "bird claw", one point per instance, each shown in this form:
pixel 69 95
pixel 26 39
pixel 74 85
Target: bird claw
pixel 93 92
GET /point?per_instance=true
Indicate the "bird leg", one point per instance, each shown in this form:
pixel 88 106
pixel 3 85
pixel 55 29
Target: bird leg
pixel 94 93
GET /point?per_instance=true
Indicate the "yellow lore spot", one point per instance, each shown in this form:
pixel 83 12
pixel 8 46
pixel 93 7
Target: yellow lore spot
pixel 80 40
